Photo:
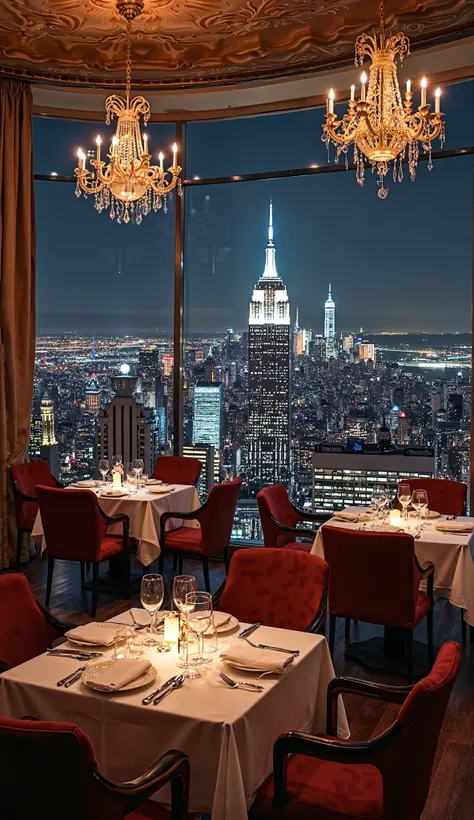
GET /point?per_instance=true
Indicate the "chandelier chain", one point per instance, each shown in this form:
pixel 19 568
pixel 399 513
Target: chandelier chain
pixel 128 63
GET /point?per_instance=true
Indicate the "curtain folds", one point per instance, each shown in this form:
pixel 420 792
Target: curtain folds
pixel 17 289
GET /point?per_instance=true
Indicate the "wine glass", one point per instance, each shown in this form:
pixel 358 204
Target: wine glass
pixel 183 584
pixel 138 466
pixel 420 502
pixel 130 475
pixel 377 502
pixel 199 606
pixel 151 595
pixel 404 496
pixel 104 469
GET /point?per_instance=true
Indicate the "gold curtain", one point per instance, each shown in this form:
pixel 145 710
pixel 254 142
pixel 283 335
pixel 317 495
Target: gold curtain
pixel 17 289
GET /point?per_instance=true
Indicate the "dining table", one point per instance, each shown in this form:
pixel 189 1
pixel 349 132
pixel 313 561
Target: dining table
pixel 227 733
pixel 144 508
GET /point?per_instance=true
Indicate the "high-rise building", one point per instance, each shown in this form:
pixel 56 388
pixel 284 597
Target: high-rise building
pixel 330 326
pixel 168 363
pixel 207 421
pixel 125 427
pixel 269 347
pixel 367 352
pixel 348 343
pixel 403 430
pixel 49 446
pixel 93 395
pixel 36 437
pixel 149 369
pixel 210 460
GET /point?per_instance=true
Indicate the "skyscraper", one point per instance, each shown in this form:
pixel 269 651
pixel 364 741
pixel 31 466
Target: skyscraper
pixel 207 421
pixel 269 348
pixel 330 326
pixel 49 446
pixel 93 395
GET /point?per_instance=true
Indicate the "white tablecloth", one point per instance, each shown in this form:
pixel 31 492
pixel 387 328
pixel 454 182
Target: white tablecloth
pixel 451 553
pixel 144 510
pixel 228 734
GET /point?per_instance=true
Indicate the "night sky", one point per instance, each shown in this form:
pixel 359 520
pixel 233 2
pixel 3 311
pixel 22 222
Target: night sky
pixel 401 264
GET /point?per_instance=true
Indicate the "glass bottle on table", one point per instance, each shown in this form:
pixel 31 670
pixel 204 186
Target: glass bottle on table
pixel 404 497
pixel 182 585
pixel 152 594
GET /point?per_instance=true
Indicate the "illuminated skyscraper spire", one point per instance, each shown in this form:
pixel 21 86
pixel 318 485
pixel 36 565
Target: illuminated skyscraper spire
pixel 270 271
pixel 93 356
pixel 330 326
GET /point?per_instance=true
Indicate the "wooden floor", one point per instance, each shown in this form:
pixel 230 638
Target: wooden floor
pixel 452 791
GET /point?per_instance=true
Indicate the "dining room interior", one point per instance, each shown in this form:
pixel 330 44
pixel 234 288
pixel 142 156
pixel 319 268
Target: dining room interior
pixel 236 542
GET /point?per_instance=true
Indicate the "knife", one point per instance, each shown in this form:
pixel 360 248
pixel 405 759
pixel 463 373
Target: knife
pixel 71 677
pixel 248 631
pixel 146 701
pixel 179 680
pixel 74 653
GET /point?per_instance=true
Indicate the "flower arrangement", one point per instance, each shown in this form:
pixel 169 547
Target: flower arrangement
pixel 118 468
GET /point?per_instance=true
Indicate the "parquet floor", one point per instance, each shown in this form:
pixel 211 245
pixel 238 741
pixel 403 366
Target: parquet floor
pixel 452 791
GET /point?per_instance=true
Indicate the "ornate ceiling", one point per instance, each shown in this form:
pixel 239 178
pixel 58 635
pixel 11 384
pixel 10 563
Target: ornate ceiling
pixel 193 43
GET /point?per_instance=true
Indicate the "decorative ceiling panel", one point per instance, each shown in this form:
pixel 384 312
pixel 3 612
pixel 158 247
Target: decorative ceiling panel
pixel 185 43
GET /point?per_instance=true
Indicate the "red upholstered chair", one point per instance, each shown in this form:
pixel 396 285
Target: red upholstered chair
pixel 215 518
pixel 64 782
pixel 280 518
pixel 26 629
pixel 74 526
pixel 375 577
pixel 444 496
pixel 24 478
pixel 278 587
pixel 177 469
pixel 387 778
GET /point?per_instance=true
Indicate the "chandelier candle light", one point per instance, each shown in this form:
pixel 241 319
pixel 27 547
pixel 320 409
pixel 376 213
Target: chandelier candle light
pixel 381 127
pixel 127 184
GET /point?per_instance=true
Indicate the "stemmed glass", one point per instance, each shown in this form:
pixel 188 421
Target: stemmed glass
pixel 130 475
pixel 104 469
pixel 182 585
pixel 152 594
pixel 116 460
pixel 377 502
pixel 404 497
pixel 420 502
pixel 138 466
pixel 199 606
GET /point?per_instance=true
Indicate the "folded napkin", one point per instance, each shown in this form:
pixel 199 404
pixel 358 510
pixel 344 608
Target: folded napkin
pixel 387 528
pixel 265 661
pixel 119 673
pixel 93 633
pixel 86 484
pixel 150 481
pixel 353 517
pixel 220 620
pixel 455 526
pixel 159 489
pixel 113 493
pixel 141 616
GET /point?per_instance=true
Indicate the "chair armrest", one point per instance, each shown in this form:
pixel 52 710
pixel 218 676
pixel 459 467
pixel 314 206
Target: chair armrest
pixel 354 686
pixel 319 619
pixel 323 748
pixel 189 516
pixel 172 767
pixel 117 519
pixel 293 530
pixel 319 518
pixel 24 496
pixel 55 623
pixel 427 571
pixel 217 595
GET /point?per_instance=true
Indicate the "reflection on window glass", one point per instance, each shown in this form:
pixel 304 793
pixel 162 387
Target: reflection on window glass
pixel 355 310
pixel 104 329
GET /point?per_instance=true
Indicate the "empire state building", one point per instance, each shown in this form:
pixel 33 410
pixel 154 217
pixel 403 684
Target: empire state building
pixel 269 377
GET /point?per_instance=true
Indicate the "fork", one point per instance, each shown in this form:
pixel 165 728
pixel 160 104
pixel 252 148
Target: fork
pixel 243 684
pixel 294 652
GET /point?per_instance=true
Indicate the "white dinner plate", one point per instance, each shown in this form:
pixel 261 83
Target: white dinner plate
pixel 260 672
pixel 159 489
pixel 86 485
pixel 114 493
pixel 90 674
pixel 153 482
pixel 229 625
pixel 430 514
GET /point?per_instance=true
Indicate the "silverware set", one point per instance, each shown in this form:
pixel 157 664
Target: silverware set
pixel 78 654
pixel 241 684
pixel 71 678
pixel 250 629
pixel 157 696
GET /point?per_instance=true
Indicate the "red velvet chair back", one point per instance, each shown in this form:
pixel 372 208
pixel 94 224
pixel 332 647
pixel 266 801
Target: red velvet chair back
pixel 217 515
pixel 274 500
pixel 277 587
pixel 46 771
pixel 24 633
pixel 373 576
pixel 177 469
pixel 27 476
pixel 444 496
pixel 408 762
pixel 72 523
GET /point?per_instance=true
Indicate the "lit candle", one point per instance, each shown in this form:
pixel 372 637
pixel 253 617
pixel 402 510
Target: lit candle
pixel 161 158
pixel 394 518
pixel 175 151
pixel 408 86
pixel 171 629
pixel 98 141
pixel 116 480
pixel 353 88
pixel 80 157
pixel 331 101
pixel 424 83
pixel 145 143
pixel 363 79
pixel 437 100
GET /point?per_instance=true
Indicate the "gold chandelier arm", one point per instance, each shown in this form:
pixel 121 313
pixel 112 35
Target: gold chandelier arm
pixel 346 137
pixel 162 187
pixel 89 186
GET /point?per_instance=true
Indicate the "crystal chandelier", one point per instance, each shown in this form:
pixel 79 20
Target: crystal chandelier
pixel 127 184
pixel 381 127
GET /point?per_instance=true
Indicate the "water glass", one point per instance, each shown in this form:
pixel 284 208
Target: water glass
pixel 104 468
pixel 404 497
pixel 138 466
pixel 182 585
pixel 121 644
pixel 211 637
pixel 198 617
pixel 420 502
pixel 131 481
pixel 152 594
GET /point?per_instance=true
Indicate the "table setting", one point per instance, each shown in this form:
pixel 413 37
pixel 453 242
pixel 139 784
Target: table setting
pixel 222 692
pixel 447 541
